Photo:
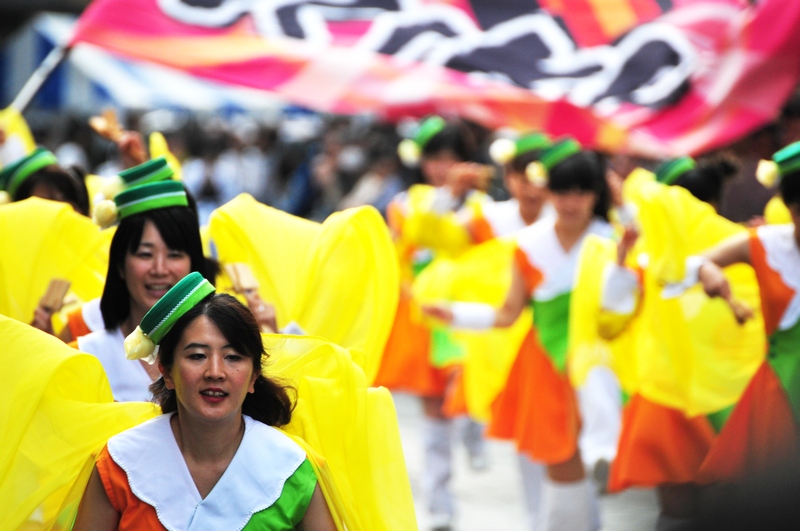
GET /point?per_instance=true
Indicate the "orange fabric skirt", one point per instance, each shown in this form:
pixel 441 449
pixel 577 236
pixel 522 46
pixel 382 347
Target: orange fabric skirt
pixel 406 362
pixel 455 399
pixel 759 436
pixel 658 445
pixel 538 408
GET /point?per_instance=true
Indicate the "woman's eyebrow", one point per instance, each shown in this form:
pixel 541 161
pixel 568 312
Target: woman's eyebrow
pixel 196 345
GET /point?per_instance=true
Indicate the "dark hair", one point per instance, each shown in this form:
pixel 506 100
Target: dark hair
pixel 68 184
pixel 520 163
pixel 584 171
pixel 457 138
pixel 706 180
pixel 270 403
pixel 179 229
pixel 789 188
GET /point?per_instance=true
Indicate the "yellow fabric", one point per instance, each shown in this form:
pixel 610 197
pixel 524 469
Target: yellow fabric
pixel 43 240
pixel 687 353
pixel 58 409
pixel 60 412
pixel 337 280
pixel 160 148
pixel 353 426
pixel 481 274
pixel 12 122
pixel 442 232
pixel 776 213
pixel 587 345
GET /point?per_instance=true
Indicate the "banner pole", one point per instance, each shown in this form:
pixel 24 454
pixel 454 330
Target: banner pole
pixel 39 76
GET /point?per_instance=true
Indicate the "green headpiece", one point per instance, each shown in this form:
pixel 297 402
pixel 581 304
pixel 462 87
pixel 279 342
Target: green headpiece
pixel 12 176
pixel 181 298
pixel 538 171
pixel 559 152
pixel 788 159
pixel 410 149
pixel 140 199
pixel 784 162
pixel 152 171
pixel 504 150
pixel 669 171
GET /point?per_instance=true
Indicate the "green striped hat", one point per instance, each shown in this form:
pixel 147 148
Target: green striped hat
pixel 152 171
pixel 788 159
pixel 669 172
pixel 428 129
pixel 150 197
pixel 504 150
pixel 558 152
pixel 159 320
pixel 410 149
pixel 12 176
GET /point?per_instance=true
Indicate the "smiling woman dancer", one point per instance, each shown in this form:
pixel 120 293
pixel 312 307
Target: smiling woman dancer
pixel 214 456
pixel 157 243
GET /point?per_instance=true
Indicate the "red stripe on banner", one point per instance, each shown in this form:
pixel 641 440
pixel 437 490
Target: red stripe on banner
pixel 580 18
pixel 646 10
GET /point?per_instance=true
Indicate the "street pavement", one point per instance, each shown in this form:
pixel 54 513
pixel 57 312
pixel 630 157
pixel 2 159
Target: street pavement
pixel 491 500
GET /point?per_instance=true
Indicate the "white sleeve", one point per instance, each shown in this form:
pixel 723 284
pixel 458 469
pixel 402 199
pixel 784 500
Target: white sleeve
pixel 473 315
pixel 692 277
pixel 620 289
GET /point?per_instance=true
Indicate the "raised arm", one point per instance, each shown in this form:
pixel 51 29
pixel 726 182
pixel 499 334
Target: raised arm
pixel 480 316
pixel 734 250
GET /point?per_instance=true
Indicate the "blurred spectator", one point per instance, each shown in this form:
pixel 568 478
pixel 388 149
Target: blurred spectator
pixel 381 182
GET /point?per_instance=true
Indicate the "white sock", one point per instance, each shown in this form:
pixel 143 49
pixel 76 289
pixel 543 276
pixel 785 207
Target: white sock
pixel 436 435
pixel 533 478
pixel 568 507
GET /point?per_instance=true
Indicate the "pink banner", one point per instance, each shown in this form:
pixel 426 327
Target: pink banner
pixel 652 77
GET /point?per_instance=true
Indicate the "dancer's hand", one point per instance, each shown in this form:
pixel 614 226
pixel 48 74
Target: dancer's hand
pixel 439 312
pixel 42 319
pixel 263 312
pixel 626 243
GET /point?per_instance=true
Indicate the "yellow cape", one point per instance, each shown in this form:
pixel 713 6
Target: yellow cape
pixel 337 280
pixel 686 353
pixel 13 124
pixel 60 412
pixel 43 240
pixel 481 274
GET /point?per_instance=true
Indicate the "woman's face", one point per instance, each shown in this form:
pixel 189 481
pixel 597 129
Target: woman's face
pixel 210 378
pixel 435 167
pixel 152 269
pixel 574 206
pixel 523 190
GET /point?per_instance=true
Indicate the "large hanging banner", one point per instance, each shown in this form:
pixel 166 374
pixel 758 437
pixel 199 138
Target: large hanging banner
pixel 652 77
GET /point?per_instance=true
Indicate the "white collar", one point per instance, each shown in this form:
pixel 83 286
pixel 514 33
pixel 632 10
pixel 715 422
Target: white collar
pixel 158 475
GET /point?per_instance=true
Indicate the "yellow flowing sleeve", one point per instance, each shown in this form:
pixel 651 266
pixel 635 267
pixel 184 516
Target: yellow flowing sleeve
pixel 352 430
pixel 43 240
pixel 337 280
pixel 424 227
pixel 57 413
pixel 481 274
pixel 591 327
pixel 690 353
pixel 14 125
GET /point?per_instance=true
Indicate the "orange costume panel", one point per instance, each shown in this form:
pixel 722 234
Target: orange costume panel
pixel 406 365
pixel 537 408
pixel 659 445
pixel 136 515
pixel 761 432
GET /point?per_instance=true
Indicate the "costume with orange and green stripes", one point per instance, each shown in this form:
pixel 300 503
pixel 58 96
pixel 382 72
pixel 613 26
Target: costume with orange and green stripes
pixel 538 408
pixel 761 431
